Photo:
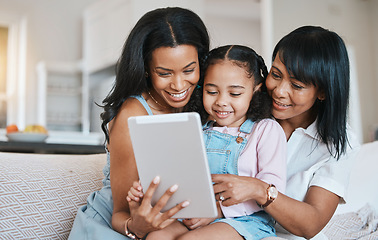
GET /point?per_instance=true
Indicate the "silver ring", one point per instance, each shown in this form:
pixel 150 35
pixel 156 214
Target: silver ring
pixel 221 198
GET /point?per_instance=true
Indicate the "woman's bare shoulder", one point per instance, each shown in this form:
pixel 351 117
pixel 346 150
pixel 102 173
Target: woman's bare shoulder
pixel 130 107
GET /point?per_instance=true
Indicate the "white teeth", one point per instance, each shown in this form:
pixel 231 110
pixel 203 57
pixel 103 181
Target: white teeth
pixel 280 104
pixel 223 113
pixel 180 95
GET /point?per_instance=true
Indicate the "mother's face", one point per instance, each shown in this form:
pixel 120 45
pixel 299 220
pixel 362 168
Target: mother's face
pixel 174 73
pixel 292 99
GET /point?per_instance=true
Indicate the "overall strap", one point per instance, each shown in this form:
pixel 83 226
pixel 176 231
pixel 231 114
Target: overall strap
pixel 144 103
pixel 247 126
pixel 208 125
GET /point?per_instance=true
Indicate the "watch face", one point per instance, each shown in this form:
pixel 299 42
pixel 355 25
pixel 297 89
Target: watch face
pixel 272 192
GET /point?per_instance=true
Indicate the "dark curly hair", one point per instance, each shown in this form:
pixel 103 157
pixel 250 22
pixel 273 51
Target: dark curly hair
pixel 261 104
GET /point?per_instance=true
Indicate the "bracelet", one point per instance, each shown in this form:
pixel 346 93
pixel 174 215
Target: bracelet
pixel 128 233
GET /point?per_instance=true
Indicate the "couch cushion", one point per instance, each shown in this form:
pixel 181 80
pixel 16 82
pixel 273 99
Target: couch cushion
pixel 40 193
pixel 362 224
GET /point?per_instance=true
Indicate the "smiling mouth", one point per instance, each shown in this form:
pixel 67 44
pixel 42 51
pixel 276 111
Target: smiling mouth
pixel 222 114
pixel 179 96
pixel 281 104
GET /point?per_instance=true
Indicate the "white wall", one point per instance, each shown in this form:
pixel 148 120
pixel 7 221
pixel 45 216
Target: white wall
pixel 355 21
pixel 373 18
pixel 55 33
pixel 233 22
pixel 225 31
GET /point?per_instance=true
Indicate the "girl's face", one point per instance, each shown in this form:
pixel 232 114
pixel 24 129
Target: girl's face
pixel 292 99
pixel 227 93
pixel 174 73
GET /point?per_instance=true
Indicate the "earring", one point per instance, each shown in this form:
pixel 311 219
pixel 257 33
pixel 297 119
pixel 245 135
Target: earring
pixel 146 74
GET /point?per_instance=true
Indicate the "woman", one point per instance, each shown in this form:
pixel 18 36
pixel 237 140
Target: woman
pixel 156 74
pixel 309 85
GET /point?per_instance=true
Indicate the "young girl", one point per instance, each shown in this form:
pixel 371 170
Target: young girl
pixel 240 139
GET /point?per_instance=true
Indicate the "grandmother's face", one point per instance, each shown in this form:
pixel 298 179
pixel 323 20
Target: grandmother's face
pixel 292 99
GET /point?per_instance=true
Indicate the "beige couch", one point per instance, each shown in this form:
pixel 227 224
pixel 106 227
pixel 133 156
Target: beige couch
pixel 40 194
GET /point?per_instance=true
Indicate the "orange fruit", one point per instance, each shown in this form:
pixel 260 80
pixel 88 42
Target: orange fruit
pixel 12 128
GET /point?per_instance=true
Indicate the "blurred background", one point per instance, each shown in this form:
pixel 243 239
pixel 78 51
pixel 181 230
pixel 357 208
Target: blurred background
pixel 57 57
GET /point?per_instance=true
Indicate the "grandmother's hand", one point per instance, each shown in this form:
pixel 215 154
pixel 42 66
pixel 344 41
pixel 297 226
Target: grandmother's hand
pixel 146 218
pixel 233 189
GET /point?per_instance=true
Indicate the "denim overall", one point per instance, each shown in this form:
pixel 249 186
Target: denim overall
pixel 223 151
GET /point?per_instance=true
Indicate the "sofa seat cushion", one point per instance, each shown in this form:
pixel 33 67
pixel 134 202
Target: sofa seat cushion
pixel 362 224
pixel 40 193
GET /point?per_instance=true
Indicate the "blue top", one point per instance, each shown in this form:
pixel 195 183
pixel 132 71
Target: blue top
pixel 93 221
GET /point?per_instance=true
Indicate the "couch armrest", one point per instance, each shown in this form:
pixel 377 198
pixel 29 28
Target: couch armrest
pixel 40 193
pixel 363 181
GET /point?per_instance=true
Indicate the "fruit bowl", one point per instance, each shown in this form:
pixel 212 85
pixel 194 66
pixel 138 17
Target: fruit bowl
pixel 26 137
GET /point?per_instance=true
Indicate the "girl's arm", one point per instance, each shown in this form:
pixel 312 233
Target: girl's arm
pixel 271 148
pixel 266 153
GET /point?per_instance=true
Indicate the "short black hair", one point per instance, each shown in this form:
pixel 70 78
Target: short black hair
pixel 317 56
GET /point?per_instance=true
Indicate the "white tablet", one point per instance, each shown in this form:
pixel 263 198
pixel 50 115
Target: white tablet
pixel 171 146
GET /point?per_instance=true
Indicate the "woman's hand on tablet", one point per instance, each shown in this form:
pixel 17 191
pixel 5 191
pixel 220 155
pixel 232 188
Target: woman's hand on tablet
pixel 233 189
pixel 146 218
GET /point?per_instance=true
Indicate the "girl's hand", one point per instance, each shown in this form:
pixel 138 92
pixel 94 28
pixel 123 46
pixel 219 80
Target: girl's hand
pixel 193 223
pixel 135 193
pixel 234 189
pixel 145 218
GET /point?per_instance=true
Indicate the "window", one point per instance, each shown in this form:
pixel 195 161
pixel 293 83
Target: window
pixel 3 75
pixel 12 69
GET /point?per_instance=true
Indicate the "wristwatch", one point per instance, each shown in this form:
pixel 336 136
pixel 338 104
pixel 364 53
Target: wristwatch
pixel 128 233
pixel 272 193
